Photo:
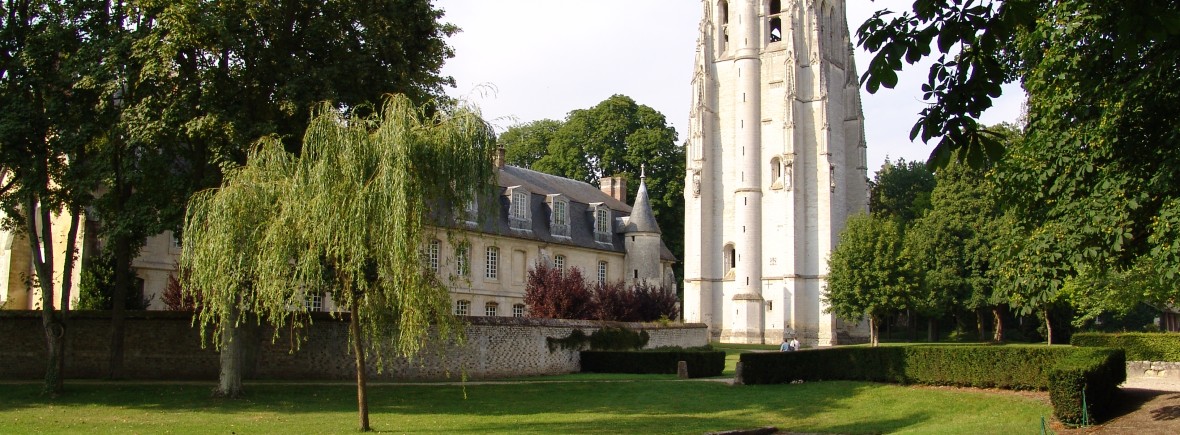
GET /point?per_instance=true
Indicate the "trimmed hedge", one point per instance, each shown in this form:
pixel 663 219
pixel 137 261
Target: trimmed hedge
pixel 1140 346
pixel 1064 371
pixel 701 363
pixel 1090 374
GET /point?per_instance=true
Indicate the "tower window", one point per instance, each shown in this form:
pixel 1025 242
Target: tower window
pixel 730 257
pixel 776 174
pixel 776 21
pixel 723 13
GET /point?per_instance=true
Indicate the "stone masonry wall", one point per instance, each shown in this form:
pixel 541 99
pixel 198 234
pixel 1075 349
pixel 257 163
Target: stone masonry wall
pixel 165 345
pixel 1154 369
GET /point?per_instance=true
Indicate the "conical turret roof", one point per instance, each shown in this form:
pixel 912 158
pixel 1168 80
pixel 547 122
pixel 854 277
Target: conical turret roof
pixel 642 219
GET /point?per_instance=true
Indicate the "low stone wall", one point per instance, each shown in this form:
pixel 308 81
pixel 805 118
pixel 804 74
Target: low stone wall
pixel 1154 370
pixel 165 345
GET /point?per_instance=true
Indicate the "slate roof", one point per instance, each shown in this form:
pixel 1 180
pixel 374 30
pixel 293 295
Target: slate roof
pixel 642 219
pixel 581 214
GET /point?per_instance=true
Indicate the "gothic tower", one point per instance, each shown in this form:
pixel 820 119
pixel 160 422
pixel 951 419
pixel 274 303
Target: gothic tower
pixel 776 164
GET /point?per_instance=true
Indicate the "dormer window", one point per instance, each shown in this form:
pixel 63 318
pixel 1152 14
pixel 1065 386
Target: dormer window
pixel 518 208
pixel 559 218
pixel 602 222
pixel 470 211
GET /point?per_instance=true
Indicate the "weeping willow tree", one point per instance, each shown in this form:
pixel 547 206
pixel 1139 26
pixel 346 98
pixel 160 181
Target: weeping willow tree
pixel 347 219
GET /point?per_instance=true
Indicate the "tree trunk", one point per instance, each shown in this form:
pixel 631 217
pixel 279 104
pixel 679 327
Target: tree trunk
pixel 1048 328
pixel 119 305
pixel 999 324
pixel 912 322
pixel 358 348
pixel 980 329
pixel 67 283
pixel 873 331
pixel 229 378
pixel 43 268
pixel 931 330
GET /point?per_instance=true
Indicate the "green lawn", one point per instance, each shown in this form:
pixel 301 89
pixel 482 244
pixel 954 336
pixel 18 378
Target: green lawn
pixel 591 406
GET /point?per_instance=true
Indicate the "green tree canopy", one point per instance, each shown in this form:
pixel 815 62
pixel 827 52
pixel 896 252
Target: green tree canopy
pixel 346 218
pixel 867 276
pixel 526 143
pixel 901 190
pixel 1091 190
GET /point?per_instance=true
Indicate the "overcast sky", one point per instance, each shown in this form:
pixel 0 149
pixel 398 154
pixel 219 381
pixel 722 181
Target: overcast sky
pixel 524 60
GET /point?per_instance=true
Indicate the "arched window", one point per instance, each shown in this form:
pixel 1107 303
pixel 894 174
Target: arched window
pixel 775 21
pixel 723 18
pixel 559 263
pixel 776 174
pixel 730 257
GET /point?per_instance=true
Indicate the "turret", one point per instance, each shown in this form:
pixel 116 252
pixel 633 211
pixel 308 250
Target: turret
pixel 642 241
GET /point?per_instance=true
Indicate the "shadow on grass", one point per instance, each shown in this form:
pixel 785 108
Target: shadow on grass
pixel 575 407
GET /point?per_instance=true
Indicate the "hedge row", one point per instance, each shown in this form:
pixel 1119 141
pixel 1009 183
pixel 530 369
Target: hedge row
pixel 1140 346
pixel 1065 371
pixel 1090 376
pixel 701 363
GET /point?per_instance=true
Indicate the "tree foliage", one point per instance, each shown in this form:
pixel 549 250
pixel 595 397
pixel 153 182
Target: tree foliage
pixel 867 276
pixel 345 218
pixel 615 137
pixel 553 293
pixel 1091 190
pixel 48 128
pixel 950 247
pixel 901 190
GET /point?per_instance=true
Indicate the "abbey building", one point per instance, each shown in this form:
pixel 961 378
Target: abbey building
pixel 776 164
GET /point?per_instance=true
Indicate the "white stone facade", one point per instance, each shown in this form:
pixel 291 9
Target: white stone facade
pixel 776 164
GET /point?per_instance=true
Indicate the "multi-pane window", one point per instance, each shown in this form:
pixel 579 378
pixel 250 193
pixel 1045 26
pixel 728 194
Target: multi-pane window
pixel 519 208
pixel 559 262
pixel 462 308
pixel 560 224
pixel 493 263
pixel 315 302
pixel 602 224
pixel 461 265
pixel 491 309
pixel 432 255
pixel 602 272
pixel 518 310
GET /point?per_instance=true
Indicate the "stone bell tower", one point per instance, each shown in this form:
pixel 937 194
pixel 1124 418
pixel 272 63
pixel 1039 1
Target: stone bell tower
pixel 776 164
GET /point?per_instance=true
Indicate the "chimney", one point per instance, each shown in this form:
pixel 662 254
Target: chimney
pixel 615 186
pixel 499 161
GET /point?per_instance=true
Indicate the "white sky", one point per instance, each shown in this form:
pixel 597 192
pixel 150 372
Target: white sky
pixel 524 60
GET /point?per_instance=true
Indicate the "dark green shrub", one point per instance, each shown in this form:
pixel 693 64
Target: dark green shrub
pixel 618 338
pixel 701 363
pixel 1092 374
pixel 1065 371
pixel 1139 346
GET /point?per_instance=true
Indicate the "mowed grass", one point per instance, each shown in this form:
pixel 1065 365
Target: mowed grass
pixel 592 406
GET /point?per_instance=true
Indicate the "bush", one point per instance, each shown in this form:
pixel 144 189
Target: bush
pixel 97 285
pixel 701 362
pixel 1139 346
pixel 1090 376
pixel 1065 371
pixel 553 293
